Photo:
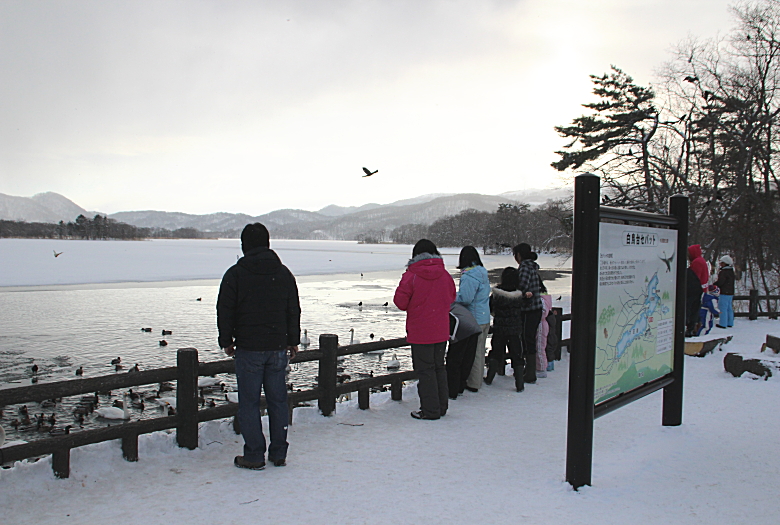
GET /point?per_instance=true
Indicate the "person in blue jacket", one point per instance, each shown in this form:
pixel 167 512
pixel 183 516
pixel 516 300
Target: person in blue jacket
pixel 709 309
pixel 474 294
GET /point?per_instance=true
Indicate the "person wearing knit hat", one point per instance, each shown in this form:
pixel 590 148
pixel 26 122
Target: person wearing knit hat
pixel 725 282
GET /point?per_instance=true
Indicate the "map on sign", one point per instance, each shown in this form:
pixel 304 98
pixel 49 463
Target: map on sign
pixel 635 307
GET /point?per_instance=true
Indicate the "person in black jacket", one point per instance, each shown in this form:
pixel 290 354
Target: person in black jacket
pixel 506 304
pixel 259 318
pixel 725 283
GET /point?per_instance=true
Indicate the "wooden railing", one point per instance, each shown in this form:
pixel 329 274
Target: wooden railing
pixel 754 305
pixel 188 413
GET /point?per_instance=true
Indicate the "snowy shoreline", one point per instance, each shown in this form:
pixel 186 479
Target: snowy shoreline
pixel 493 447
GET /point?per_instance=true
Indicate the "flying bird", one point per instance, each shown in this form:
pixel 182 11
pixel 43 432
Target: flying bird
pixel 368 172
pixel 56 254
pixel 691 79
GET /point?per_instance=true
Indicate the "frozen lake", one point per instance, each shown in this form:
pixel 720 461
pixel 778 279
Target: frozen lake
pixel 51 320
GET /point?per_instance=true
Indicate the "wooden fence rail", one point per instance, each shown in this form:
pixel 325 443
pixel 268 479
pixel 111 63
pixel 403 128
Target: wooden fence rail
pixel 754 305
pixel 188 413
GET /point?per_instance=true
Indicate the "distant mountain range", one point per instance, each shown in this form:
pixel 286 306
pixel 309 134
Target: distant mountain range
pixel 331 222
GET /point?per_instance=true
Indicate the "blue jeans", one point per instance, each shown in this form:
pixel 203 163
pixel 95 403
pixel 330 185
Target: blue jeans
pixel 725 302
pixel 256 370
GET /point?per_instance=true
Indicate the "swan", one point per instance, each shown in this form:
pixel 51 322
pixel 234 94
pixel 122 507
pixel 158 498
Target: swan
pixel 231 397
pixel 352 339
pixel 114 412
pixel 204 382
pixel 165 401
pixel 375 352
pixel 305 341
pixel 394 363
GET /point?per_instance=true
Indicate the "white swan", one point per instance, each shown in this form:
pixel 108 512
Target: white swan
pixel 204 382
pixel 394 363
pixel 352 339
pixel 167 401
pixel 114 412
pixel 232 397
pixel 305 339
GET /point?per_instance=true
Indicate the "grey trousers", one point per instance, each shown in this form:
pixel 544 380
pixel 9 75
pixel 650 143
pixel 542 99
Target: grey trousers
pixel 478 368
pixel 428 362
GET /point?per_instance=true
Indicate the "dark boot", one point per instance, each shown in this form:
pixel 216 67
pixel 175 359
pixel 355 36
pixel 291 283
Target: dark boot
pixel 501 367
pixel 493 367
pixel 519 383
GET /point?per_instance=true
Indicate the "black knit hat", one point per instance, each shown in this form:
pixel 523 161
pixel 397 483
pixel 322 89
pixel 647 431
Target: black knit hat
pixel 254 236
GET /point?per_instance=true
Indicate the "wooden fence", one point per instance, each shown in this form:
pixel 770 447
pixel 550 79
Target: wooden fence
pixel 754 305
pixel 188 413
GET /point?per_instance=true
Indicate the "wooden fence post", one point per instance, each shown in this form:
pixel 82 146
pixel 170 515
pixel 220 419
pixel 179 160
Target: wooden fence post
pixel 364 395
pixel 329 345
pixel 395 390
pixel 60 463
pixel 187 398
pixel 130 447
pixel 753 307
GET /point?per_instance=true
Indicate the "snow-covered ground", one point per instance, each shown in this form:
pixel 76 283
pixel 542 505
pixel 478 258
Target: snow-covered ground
pixel 497 457
pixel 31 262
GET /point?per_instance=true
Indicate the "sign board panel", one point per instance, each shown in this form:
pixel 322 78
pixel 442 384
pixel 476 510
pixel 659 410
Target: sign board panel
pixel 635 307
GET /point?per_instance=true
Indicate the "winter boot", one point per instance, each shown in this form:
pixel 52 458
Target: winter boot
pixel 519 383
pixel 493 367
pixel 501 368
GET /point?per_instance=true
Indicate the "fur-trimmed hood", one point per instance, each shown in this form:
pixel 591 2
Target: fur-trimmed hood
pixel 516 294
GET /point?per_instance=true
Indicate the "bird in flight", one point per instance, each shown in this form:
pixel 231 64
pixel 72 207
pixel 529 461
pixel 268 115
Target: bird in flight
pixel 56 254
pixel 368 172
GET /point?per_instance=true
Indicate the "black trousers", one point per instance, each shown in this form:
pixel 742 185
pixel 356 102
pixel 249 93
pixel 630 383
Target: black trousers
pixel 530 322
pixel 428 362
pixel 460 358
pixel 503 343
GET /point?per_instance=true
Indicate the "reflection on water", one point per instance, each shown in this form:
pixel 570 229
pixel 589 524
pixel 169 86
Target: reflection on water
pixel 65 329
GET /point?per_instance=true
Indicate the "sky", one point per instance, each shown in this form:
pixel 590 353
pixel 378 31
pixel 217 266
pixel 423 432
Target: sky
pixel 247 106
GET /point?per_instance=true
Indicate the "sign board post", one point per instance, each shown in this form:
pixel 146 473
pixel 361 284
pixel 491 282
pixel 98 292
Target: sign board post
pixel 628 315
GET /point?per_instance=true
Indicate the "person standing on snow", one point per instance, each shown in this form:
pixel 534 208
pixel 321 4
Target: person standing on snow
pixel 725 283
pixel 425 293
pixel 531 310
pixel 474 294
pixel 259 320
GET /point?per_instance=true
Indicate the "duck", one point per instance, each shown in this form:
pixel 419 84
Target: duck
pixel 163 342
pixel 385 305
pixel 133 369
pixel 352 339
pixel 59 431
pixel 116 361
pixel 47 403
pixel 199 299
pixel 305 341
pixel 165 386
pixel 34 368
pixel 167 332
pixel 394 363
pixel 80 371
pixel 114 412
pixel 146 329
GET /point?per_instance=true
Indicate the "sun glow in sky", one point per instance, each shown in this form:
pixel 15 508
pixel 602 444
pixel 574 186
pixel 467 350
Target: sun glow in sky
pixel 246 106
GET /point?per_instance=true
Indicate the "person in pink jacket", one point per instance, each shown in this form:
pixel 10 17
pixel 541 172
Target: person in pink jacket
pixel 425 293
pixel 541 336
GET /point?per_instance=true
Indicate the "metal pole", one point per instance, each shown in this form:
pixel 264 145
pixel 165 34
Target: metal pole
pixel 673 394
pixel 579 440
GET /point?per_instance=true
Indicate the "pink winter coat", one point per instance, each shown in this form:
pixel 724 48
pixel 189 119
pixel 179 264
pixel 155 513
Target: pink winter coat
pixel 425 293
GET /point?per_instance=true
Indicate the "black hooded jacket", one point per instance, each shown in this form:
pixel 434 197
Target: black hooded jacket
pixel 258 307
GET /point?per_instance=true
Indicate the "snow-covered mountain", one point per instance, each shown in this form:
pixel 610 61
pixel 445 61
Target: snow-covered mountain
pixel 44 207
pixel 331 222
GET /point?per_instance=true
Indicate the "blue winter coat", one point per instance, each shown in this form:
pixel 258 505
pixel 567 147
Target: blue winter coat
pixel 474 293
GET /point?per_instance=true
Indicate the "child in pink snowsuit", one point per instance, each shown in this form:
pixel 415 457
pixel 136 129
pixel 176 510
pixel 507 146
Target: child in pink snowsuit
pixel 541 337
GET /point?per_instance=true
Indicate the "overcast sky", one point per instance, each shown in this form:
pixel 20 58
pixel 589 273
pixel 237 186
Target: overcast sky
pixel 252 106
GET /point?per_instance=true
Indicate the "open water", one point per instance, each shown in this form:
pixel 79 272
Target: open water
pixel 63 328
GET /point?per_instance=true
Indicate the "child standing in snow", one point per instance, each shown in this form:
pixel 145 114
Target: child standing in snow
pixel 505 304
pixel 709 310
